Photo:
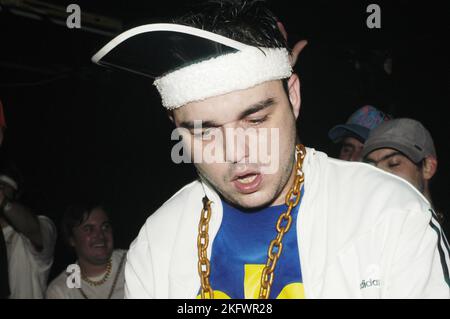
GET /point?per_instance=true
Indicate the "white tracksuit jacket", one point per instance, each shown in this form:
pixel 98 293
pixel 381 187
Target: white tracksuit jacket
pixel 362 233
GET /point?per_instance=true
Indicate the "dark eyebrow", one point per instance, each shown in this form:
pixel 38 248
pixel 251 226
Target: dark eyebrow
pixel 385 157
pixel 257 107
pixel 250 110
pixel 206 124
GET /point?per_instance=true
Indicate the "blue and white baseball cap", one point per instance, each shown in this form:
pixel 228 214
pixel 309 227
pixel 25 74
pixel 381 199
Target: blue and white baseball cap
pixel 359 124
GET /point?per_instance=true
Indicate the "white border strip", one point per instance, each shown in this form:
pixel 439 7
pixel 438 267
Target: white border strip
pixel 166 27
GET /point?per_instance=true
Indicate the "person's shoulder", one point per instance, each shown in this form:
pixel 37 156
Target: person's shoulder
pixel 45 219
pixel 361 198
pixel 118 254
pixel 42 257
pixel 181 195
pixel 365 186
pixel 47 223
pixel 57 289
pixel 175 205
pixel 375 180
pixel 165 218
pixel 357 174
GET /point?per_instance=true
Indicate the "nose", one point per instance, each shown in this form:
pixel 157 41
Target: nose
pixel 345 155
pixel 99 234
pixel 356 155
pixel 236 144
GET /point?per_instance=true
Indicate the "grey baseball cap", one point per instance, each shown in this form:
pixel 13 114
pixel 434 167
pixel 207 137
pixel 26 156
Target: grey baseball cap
pixel 404 135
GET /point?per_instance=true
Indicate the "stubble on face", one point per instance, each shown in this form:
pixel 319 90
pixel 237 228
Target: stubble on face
pixel 93 240
pixel 224 111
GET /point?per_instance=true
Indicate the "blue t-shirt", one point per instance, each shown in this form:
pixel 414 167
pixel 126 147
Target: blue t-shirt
pixel 239 254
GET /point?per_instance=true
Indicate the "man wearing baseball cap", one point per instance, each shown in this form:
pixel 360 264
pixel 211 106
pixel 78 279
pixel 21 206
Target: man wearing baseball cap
pixel 356 130
pixel 403 147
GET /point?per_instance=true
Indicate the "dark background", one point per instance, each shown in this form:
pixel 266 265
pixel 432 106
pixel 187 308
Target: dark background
pixel 77 130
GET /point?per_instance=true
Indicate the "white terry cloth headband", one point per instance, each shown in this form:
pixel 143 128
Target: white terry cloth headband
pixel 223 74
pixel 218 64
pixel 9 181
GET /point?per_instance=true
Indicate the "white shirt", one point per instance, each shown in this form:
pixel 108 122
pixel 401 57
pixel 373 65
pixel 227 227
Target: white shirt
pixel 28 268
pixel 362 233
pixel 58 288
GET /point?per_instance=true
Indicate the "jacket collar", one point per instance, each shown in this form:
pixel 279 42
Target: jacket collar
pixel 184 281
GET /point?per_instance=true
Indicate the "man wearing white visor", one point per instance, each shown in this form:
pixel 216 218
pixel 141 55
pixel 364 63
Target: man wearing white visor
pixel 267 217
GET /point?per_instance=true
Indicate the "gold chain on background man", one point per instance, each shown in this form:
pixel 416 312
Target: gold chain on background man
pixel 267 276
pixel 104 278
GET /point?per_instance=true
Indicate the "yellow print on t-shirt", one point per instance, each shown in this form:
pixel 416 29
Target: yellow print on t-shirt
pixel 252 286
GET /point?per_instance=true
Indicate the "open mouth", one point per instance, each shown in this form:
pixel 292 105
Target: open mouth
pixel 247 179
pixel 248 183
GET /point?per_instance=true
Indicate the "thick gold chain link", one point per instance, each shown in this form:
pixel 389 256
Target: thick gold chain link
pixel 275 248
pixel 202 246
pixel 276 245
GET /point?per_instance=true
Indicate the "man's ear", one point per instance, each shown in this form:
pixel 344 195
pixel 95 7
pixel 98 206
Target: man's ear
pixel 294 94
pixel 170 115
pixel 429 167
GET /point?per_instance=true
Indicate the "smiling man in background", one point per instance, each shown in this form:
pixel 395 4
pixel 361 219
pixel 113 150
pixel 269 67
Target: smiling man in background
pixel 87 229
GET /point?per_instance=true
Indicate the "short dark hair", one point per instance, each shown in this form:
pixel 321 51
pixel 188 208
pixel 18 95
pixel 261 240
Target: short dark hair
pixel 247 21
pixel 77 214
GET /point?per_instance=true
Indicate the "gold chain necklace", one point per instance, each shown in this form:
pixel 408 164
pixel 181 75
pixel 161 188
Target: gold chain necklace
pixel 101 281
pixel 275 247
pixel 113 287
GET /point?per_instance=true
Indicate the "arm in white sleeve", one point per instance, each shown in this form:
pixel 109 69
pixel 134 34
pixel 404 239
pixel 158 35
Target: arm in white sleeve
pixel 420 267
pixel 139 276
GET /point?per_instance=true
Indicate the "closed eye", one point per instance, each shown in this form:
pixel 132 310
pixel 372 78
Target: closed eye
pixel 392 165
pixel 259 120
pixel 203 134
